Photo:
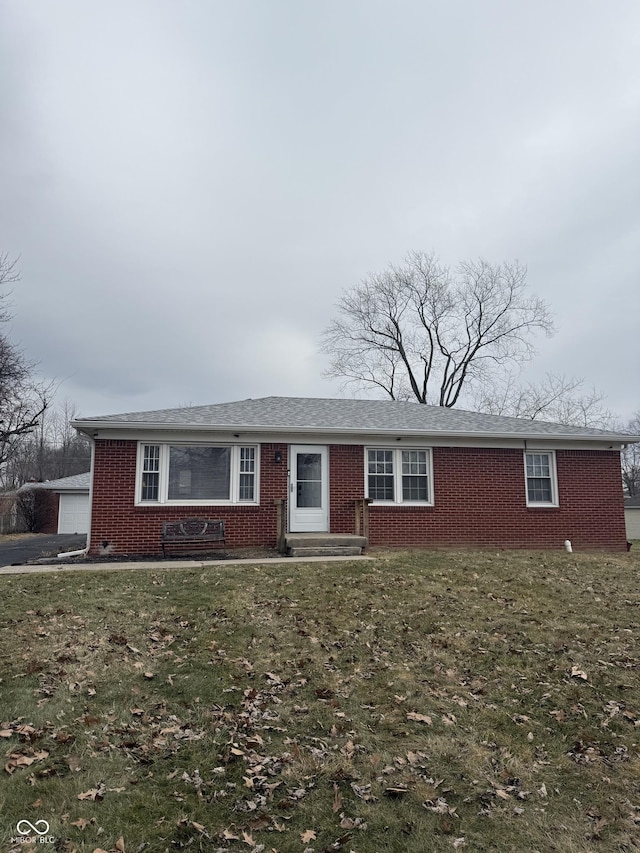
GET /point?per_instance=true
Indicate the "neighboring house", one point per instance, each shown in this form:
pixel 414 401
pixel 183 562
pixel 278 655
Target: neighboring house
pixel 57 506
pixel 632 517
pixel 403 473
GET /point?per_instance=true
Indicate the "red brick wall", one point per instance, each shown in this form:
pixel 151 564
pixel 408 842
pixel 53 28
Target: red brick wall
pixel 346 483
pixel 479 501
pixel 119 527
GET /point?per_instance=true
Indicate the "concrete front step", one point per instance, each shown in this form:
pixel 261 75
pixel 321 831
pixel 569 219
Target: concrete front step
pixel 325 540
pixel 324 544
pixel 329 551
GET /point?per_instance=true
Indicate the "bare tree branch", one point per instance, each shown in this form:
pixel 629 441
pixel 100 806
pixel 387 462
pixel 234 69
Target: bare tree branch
pixel 631 459
pixel 560 399
pixel 23 400
pixel 440 333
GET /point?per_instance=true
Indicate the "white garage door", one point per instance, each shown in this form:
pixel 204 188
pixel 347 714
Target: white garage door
pixel 632 518
pixel 73 514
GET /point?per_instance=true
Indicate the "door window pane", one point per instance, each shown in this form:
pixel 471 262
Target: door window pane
pixel 309 466
pixel 309 479
pixel 309 494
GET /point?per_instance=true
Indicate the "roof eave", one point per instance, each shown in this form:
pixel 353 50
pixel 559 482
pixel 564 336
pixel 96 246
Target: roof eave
pixel 92 427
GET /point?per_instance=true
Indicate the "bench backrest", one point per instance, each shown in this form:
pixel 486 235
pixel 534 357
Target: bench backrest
pixel 193 528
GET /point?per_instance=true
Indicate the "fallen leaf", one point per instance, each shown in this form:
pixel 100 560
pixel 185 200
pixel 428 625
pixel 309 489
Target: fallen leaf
pixel 337 798
pixel 120 845
pixel 307 836
pixel 576 672
pixel 395 792
pixel 21 759
pixel 419 718
pixel 230 836
pixel 352 822
pixel 93 793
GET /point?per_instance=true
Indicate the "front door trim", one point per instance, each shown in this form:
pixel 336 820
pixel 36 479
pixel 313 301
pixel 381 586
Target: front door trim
pixel 312 515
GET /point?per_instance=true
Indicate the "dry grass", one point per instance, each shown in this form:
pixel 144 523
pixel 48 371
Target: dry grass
pixel 421 702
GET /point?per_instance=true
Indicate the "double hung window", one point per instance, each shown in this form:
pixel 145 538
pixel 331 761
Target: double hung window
pixel 196 474
pixel 396 475
pixel 540 473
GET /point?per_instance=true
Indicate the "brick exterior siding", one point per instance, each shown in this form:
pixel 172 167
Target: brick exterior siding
pixel 479 501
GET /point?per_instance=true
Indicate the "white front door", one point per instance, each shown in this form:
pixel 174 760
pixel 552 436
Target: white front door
pixel 308 489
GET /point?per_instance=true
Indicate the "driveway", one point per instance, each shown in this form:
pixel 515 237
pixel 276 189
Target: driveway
pixel 31 546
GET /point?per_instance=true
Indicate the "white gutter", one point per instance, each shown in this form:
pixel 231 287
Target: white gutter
pixel 92 429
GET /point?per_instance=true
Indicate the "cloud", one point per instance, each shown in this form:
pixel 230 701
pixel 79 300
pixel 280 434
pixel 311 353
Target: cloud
pixel 191 186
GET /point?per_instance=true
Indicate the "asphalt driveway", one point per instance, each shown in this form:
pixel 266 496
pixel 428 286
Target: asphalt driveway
pixel 15 551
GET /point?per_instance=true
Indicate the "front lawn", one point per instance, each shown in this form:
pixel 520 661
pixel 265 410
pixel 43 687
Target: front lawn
pixel 424 701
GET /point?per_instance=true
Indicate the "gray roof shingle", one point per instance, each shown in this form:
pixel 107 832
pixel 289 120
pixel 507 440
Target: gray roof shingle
pixel 77 482
pixel 345 415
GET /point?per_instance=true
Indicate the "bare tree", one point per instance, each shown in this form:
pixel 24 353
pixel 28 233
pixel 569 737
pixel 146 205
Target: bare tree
pixel 54 449
pixel 556 398
pixel 631 459
pixel 23 400
pixel 417 331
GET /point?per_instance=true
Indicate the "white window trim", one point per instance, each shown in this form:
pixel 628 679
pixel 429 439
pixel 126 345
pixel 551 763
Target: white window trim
pixel 397 476
pixel 554 502
pixel 163 486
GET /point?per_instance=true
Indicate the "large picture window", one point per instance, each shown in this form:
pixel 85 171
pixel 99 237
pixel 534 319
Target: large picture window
pixel 540 474
pixel 396 475
pixel 196 474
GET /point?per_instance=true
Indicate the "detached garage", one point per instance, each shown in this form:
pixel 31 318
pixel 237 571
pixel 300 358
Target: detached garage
pixel 66 507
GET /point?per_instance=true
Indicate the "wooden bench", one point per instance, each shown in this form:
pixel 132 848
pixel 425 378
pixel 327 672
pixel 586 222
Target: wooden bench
pixel 192 531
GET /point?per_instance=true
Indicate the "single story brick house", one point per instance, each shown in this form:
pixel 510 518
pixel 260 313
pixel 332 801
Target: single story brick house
pixel 402 473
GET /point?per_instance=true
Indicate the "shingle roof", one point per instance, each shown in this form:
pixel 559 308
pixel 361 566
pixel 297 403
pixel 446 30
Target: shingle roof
pixel 345 415
pixel 77 481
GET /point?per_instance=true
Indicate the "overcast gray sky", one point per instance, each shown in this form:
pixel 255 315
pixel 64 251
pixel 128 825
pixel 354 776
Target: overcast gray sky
pixel 190 185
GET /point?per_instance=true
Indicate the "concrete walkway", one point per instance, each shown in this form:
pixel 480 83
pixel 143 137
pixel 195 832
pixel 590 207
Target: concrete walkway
pixel 166 564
